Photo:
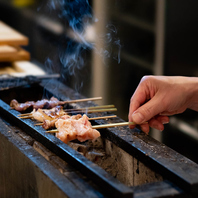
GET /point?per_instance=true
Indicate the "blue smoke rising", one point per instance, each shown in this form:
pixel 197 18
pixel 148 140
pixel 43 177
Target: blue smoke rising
pixel 77 15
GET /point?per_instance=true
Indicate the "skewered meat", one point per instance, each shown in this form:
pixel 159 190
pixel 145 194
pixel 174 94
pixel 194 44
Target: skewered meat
pixel 71 129
pixel 21 106
pixel 48 114
pixel 47 124
pixel 40 104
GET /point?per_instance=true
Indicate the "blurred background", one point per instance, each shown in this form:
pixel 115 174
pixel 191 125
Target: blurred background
pixel 119 43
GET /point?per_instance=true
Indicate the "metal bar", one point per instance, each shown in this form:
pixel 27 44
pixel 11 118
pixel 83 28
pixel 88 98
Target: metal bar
pixel 105 181
pixel 160 158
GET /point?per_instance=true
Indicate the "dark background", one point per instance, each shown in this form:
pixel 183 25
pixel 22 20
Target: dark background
pixel 135 22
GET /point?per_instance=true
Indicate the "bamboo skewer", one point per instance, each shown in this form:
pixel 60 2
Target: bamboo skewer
pixel 24 114
pixel 83 100
pixel 90 108
pixel 113 125
pixel 79 109
pixel 88 111
pixel 101 126
pixel 39 124
pixel 100 110
pixel 26 117
pixel 78 100
pixel 103 117
pixel 94 118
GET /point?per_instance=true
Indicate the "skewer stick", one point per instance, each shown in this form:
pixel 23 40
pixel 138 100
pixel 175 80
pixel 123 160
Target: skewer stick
pixel 103 117
pixel 100 107
pixel 89 111
pixel 39 124
pixel 83 100
pixel 113 125
pixel 24 114
pixel 94 118
pixel 52 131
pixel 94 110
pixel 79 109
pixel 101 126
pixel 89 108
pixel 26 117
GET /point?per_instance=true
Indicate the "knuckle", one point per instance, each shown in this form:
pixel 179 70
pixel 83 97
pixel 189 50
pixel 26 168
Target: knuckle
pixel 146 78
pixel 131 100
pixel 147 111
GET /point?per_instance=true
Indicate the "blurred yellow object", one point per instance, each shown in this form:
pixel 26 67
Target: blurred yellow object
pixel 23 3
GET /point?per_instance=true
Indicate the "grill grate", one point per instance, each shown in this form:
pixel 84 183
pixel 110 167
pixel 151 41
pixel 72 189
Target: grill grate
pixel 110 185
pixel 155 155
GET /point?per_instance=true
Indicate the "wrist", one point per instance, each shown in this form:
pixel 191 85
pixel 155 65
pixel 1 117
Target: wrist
pixel 192 93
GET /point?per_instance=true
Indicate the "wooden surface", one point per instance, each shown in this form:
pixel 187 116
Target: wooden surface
pixel 9 36
pixel 11 53
pixel 21 68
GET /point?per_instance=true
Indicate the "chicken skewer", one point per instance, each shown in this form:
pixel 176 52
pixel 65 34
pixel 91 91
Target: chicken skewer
pixel 46 114
pixel 47 124
pixel 70 129
pixel 77 109
pixel 82 111
pixel 80 129
pixel 94 118
pixel 101 126
pixel 48 104
pixel 49 117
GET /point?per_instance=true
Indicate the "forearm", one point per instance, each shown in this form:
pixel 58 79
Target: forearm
pixel 192 88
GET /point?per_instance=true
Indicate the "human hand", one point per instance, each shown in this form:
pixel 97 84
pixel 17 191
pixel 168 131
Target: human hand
pixel 158 97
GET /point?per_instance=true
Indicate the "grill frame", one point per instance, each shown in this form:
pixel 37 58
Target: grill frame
pixel 154 154
pixel 97 174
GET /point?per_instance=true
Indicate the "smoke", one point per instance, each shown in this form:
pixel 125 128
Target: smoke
pixel 111 42
pixel 77 15
pixel 71 56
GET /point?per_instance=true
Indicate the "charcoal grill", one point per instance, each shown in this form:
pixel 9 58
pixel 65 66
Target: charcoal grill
pixel 122 163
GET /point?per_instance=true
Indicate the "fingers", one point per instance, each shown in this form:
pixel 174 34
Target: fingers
pixel 147 102
pixel 136 101
pixel 143 127
pixel 147 111
pixel 163 119
pixel 140 96
pixel 157 122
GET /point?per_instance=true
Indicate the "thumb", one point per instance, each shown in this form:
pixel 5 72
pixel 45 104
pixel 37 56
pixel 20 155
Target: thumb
pixel 147 111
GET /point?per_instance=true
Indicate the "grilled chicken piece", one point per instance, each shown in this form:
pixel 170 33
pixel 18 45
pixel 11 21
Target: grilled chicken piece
pixel 48 124
pixel 21 106
pixel 48 114
pixel 40 104
pixel 71 129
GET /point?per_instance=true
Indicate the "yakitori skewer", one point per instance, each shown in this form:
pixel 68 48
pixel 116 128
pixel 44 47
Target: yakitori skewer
pixel 14 104
pixel 83 100
pixel 101 126
pixel 113 125
pixel 94 118
pixel 82 111
pixel 89 108
pixel 77 109
pixel 103 117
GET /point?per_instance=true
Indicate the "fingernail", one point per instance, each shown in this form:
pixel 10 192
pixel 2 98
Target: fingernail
pixel 165 122
pixel 137 117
